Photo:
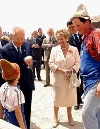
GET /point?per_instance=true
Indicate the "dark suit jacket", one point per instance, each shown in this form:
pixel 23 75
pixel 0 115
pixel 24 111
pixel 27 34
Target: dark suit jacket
pixel 37 51
pixel 72 42
pixel 41 37
pixel 10 53
pixel 3 42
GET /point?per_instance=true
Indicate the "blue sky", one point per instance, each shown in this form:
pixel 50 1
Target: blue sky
pixel 32 14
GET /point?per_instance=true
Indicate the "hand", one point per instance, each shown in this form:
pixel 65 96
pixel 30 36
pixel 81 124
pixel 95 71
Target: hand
pixel 52 45
pixel 68 72
pixel 98 90
pixel 28 60
pixel 36 46
pixel 33 46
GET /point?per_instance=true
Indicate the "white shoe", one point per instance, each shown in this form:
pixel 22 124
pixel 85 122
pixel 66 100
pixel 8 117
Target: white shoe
pixel 55 124
pixel 71 123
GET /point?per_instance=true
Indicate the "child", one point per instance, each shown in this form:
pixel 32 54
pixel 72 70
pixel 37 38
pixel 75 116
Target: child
pixel 11 97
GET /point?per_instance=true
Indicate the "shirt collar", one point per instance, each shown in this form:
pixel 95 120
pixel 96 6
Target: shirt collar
pixel 88 32
pixel 75 33
pixel 16 47
pixel 51 37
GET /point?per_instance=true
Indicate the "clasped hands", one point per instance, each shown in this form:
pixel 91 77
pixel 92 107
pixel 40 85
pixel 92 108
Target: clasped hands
pixel 35 46
pixel 51 45
pixel 68 73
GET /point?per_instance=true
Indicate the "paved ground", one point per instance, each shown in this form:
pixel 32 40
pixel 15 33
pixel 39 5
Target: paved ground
pixel 42 109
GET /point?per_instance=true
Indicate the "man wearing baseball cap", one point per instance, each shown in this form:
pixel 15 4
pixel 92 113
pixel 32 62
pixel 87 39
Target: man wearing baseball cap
pixel 90 67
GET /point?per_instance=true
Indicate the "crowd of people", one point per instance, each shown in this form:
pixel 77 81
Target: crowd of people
pixel 74 49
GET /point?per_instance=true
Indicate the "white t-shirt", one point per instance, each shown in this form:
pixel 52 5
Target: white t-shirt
pixel 11 96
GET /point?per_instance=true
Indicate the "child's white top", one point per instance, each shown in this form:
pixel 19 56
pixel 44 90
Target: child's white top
pixel 11 96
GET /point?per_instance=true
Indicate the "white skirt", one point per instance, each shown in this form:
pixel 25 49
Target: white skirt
pixel 64 96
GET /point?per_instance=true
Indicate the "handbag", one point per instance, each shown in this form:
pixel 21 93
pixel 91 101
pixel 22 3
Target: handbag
pixel 74 81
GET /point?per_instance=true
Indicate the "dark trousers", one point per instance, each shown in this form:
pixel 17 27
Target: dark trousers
pixel 27 106
pixel 47 68
pixel 80 91
pixel 38 66
pixel 38 69
pixel 42 56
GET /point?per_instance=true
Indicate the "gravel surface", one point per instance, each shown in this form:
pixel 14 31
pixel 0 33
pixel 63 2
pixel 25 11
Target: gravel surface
pixel 42 109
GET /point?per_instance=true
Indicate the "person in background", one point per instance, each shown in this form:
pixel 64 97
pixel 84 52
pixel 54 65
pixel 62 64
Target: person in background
pixel 63 60
pixel 90 67
pixel 28 39
pixel 5 39
pixel 10 37
pixel 36 45
pixel 41 36
pixel 2 43
pixel 15 52
pixel 10 94
pixel 48 44
pixel 76 41
pixel 8 34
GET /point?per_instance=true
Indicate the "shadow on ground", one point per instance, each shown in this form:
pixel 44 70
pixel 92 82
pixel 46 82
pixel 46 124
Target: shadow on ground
pixel 34 126
pixel 78 125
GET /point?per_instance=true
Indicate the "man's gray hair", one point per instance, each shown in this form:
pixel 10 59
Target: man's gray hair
pixel 17 29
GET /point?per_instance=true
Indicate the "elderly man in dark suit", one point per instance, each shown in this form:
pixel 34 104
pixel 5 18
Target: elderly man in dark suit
pixel 16 51
pixel 76 40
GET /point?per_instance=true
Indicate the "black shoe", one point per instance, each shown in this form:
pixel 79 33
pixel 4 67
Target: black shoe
pixel 34 77
pixel 45 85
pixel 76 107
pixel 39 79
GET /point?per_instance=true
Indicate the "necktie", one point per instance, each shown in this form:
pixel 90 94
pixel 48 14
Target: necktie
pixel 19 52
pixel 50 39
pixel 76 39
pixel 35 40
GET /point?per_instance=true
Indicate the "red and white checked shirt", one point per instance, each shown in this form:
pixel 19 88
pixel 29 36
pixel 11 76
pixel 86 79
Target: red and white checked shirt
pixel 92 40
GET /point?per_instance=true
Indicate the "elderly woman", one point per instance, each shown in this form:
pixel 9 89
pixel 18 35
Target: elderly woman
pixel 63 59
